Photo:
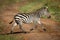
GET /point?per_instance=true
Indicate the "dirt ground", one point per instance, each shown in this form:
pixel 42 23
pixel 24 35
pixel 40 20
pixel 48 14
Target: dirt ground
pixel 52 28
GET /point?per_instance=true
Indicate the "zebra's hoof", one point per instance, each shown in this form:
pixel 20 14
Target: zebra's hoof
pixel 44 29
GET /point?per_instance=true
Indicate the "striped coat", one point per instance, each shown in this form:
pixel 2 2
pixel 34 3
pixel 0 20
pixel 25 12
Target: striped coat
pixel 33 17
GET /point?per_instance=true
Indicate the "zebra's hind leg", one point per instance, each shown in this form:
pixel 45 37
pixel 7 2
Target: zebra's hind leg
pixel 19 22
pixel 13 26
pixel 20 26
pixel 23 31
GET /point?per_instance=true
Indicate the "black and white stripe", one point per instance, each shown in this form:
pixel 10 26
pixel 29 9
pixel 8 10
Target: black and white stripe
pixel 33 17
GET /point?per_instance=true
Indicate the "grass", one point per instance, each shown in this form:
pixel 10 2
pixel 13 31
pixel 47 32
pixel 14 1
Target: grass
pixel 6 37
pixel 54 7
pixel 55 10
pixel 11 37
pixel 27 7
pixel 32 5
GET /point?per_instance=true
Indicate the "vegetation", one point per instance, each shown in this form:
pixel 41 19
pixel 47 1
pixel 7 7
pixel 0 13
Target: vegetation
pixel 54 7
pixel 30 6
pixel 10 37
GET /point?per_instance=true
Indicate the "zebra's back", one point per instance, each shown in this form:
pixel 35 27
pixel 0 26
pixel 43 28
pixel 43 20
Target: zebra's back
pixel 24 17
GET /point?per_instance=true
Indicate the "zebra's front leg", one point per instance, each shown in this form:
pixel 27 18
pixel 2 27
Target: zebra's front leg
pixel 35 26
pixel 13 26
pixel 41 24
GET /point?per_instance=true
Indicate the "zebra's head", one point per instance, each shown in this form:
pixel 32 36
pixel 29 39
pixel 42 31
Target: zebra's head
pixel 45 11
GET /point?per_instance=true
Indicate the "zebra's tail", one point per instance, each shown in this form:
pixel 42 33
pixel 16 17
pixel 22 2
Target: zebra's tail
pixel 11 22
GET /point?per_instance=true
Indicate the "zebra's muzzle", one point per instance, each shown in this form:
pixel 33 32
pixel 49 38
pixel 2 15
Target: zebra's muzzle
pixel 49 16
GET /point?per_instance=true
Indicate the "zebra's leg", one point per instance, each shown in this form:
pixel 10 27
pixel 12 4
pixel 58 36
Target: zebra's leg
pixel 35 26
pixel 19 22
pixel 13 26
pixel 41 24
pixel 23 31
pixel 20 25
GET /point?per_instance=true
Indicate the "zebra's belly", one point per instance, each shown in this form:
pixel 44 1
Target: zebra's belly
pixel 28 21
pixel 31 19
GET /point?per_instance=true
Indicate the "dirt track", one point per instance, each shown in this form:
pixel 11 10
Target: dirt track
pixel 52 33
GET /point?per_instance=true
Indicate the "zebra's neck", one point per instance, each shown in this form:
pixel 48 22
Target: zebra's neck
pixel 38 13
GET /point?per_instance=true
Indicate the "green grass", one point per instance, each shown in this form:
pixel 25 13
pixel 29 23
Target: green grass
pixel 6 37
pixel 11 37
pixel 34 5
pixel 54 10
pixel 31 6
pixel 26 8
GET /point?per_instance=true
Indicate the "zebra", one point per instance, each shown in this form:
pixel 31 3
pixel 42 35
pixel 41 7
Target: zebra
pixel 32 17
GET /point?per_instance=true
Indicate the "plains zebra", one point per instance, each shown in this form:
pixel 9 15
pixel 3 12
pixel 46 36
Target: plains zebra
pixel 33 17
